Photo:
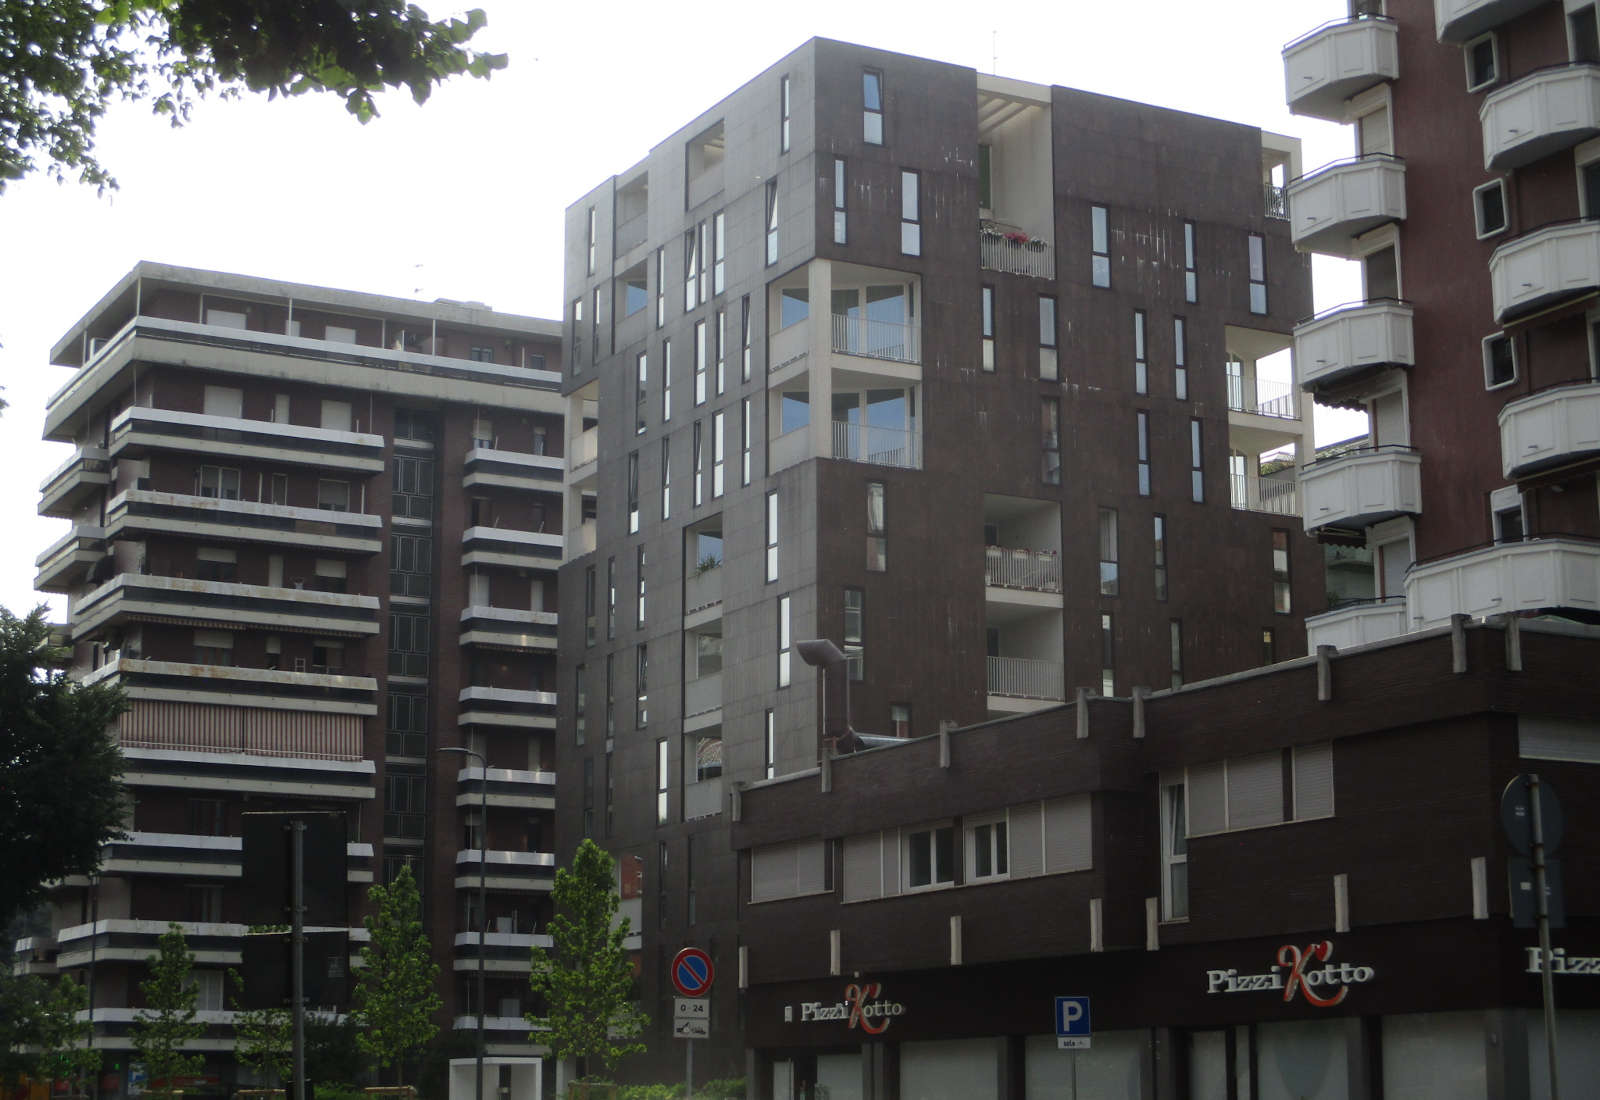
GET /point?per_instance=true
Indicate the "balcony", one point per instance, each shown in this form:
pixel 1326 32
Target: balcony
pixel 34 955
pixel 1265 398
pixel 1455 21
pixel 702 798
pixel 509 628
pixel 213 943
pixel 141 512
pixel 1272 495
pixel 522 871
pixel 1362 487
pixel 1020 684
pixel 703 695
pixel 509 547
pixel 139 431
pixel 134 597
pixel 1544 112
pixel 1339 345
pixel 486 467
pixel 894 341
pixel 1357 624
pixel 1023 570
pixel 194 856
pixel 1551 428
pixel 503 952
pixel 66 563
pixel 228 686
pixel 702 589
pixel 1545 267
pixel 1015 253
pixel 508 788
pixel 492 706
pixel 1558 574
pixel 1325 68
pixel 1335 204
pixel 876 446
pixel 583 453
pixel 87 472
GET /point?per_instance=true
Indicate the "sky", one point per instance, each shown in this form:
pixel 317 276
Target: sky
pixel 463 197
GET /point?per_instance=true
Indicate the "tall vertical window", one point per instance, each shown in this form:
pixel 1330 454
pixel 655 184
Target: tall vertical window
pixel 772 222
pixel 1047 338
pixel 1144 452
pixel 611 697
pixel 1197 481
pixel 1100 247
pixel 1180 356
pixel 1190 281
pixel 854 617
pixel 783 641
pixel 588 796
pixel 1282 598
pixel 783 114
pixel 1174 851
pixel 594 327
pixel 589 237
pixel 638 591
pixel 611 797
pixel 589 605
pixel 900 719
pixel 1050 414
pixel 1175 644
pixel 691 269
pixel 877 531
pixel 663 781
pixel 744 441
pixel 580 706
pixel 666 479
pixel 1160 555
pixel 661 287
pixel 705 264
pixel 1141 369
pixel 841 228
pixel 577 334
pixel 611 598
pixel 1108 657
pixel 772 535
pixel 641 390
pixel 666 380
pixel 719 252
pixel 744 338
pixel 699 463
pixel 1269 648
pixel 1258 273
pixel 769 750
pixel 641 685
pixel 633 492
pixel 872 107
pixel 988 328
pixel 722 350
pixel 718 441
pixel 701 356
pixel 1108 552
pixel 910 213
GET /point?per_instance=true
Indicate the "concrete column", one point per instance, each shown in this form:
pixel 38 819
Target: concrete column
pixel 819 282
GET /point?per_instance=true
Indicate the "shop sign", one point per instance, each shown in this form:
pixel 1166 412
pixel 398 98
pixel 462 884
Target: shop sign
pixel 1563 963
pixel 1297 972
pixel 864 1007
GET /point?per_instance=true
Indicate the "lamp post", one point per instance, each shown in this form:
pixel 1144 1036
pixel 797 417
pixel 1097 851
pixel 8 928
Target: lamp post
pixel 483 909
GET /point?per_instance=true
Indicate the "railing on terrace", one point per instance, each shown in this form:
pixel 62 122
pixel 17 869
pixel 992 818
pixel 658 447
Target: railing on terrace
pixel 1265 494
pixel 192 727
pixel 1276 200
pixel 1033 257
pixel 585 448
pixel 1025 678
pixel 1033 570
pixel 877 446
pixel 1276 399
pixel 893 340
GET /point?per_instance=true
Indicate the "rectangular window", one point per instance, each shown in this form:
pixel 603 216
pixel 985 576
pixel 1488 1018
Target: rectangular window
pixel 877 531
pixel 1269 648
pixel 722 344
pixel 661 287
pixel 930 857
pixel 639 589
pixel 1047 338
pixel 663 781
pixel 718 442
pixel 691 269
pixel 1269 788
pixel 666 479
pixel 744 338
pixel 611 598
pixel 1197 484
pixel 1100 246
pixel 854 619
pixel 772 222
pixel 1174 852
pixel 1141 371
pixel 611 697
pixel 1108 655
pixel 611 796
pixel 222 483
pixel 1499 361
pixel 1180 358
pixel 1282 599
pixel 580 705
pixel 1482 60
pixel 589 605
pixel 910 213
pixel 641 686
pixel 872 107
pixel 633 493
pixel 1190 287
pixel 1144 452
pixel 988 328
pixel 744 441
pixel 589 238
pixel 900 719
pixel 594 327
pixel 699 463
pixel 783 114
pixel 841 228
pixel 1258 273
pixel 641 390
pixel 1160 555
pixel 666 382
pixel 719 252
pixel 1050 413
pixel 700 362
pixel 772 535
pixel 769 767
pixel 1489 208
pixel 1108 552
pixel 783 641
pixel 1175 644
pixel 988 850
pixel 577 334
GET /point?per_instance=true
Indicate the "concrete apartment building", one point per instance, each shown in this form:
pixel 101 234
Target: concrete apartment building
pixel 314 536
pixel 969 376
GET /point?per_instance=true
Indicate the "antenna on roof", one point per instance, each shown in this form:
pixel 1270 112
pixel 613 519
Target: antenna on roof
pixel 994 57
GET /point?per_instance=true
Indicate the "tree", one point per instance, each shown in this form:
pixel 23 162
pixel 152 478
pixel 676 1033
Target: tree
pixel 64 62
pixel 168 1021
pixel 66 1043
pixel 585 977
pixel 263 1037
pixel 332 1054
pixel 61 793
pixel 395 996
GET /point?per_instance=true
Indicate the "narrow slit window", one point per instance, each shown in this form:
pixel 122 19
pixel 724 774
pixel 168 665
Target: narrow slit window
pixel 1160 555
pixel 841 228
pixel 1100 247
pixel 1141 368
pixel 1143 418
pixel 1180 357
pixel 1047 338
pixel 910 213
pixel 783 114
pixel 772 222
pixel 1197 488
pixel 988 328
pixel 1190 279
pixel 1258 273
pixel 872 107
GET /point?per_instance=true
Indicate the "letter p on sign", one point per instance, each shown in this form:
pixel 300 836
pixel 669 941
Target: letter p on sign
pixel 1072 1023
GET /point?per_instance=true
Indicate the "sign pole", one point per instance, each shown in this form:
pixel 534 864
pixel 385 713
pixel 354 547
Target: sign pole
pixel 1546 977
pixel 688 1069
pixel 297 829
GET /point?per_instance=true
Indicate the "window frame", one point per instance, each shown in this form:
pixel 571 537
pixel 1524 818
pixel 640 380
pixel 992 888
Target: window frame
pixel 1256 257
pixel 986 327
pixel 910 212
pixel 1142 428
pixel 872 120
pixel 1516 366
pixel 1100 247
pixel 1478 214
pixel 1141 353
pixel 999 849
pixel 1049 338
pixel 908 842
pixel 785 104
pixel 841 213
pixel 1174 846
pixel 1467 48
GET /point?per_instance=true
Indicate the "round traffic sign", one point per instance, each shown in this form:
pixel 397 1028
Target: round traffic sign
pixel 692 972
pixel 1516 815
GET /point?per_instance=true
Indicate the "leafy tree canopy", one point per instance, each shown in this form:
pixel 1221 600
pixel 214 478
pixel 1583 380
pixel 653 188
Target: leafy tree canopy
pixel 64 62
pixel 61 792
pixel 395 988
pixel 162 1031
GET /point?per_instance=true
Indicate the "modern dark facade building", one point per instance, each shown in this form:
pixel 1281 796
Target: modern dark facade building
pixel 972 377
pixel 314 537
pixel 1290 882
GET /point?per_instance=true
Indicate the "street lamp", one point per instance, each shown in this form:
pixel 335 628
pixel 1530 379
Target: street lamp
pixel 483 909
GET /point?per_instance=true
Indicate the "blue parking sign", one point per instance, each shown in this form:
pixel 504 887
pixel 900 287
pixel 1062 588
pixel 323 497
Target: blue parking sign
pixel 1072 1023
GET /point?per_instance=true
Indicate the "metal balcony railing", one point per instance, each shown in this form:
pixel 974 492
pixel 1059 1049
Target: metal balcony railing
pixel 1025 678
pixel 1265 494
pixel 1276 399
pixel 1276 200
pixel 893 340
pixel 1033 570
pixel 998 252
pixel 878 446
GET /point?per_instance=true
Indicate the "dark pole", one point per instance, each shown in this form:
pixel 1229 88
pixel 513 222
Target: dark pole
pixel 483 904
pixel 298 957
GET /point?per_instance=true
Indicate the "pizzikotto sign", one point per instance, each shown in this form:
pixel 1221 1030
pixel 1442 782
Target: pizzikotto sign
pixel 864 1007
pixel 1297 972
pixel 1563 963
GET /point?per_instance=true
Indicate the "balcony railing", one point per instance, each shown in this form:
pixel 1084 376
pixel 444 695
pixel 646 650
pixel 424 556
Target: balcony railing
pixel 308 734
pixel 1552 573
pixel 1267 398
pixel 1276 201
pixel 1032 570
pixel 1363 486
pixel 88 469
pixel 702 588
pixel 1326 67
pixel 1032 257
pixel 876 446
pixel 1025 678
pixel 1545 266
pixel 144 511
pixel 1357 624
pixel 1330 207
pixel 584 448
pixel 1278 497
pixel 1338 343
pixel 892 340
pixel 1541 113
pixel 703 695
pixel 1551 427
pixel 132 596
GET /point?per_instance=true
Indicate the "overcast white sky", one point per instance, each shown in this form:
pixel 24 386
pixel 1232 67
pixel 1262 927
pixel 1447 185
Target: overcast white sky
pixel 463 197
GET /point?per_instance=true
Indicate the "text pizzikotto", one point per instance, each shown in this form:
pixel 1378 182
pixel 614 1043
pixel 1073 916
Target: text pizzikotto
pixel 1296 972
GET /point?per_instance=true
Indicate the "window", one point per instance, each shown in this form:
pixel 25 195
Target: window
pixel 1108 551
pixel 1050 412
pixel 1258 273
pixel 769 767
pixel 1100 247
pixel 208 817
pixel 666 381
pixel 407 731
pixel 633 492
pixel 788 870
pixel 639 590
pixel 1282 599
pixel 1248 792
pixel 661 286
pixel 641 686
pixel 1141 372
pixel 772 222
pixel 910 213
pixel 1482 58
pixel 594 326
pixel 784 637
pixel 1108 663
pixel 577 334
pixel 854 617
pixel 580 706
pixel 214 563
pixel 1190 287
pixel 718 439
pixel 1174 852
pixel 220 482
pixel 641 390
pixel 988 328
pixel 699 463
pixel 1143 419
pixel 611 598
pixel 1180 357
pixel 611 697
pixel 900 719
pixel 589 605
pixel 722 356
pixel 589 238
pixel 663 779
pixel 666 479
pixel 635 294
pixel 207 990
pixel 691 269
pixel 877 532
pixel 772 535
pixel 744 338
pixel 841 229
pixel 1269 648
pixel 719 252
pixel 1047 338
pixel 700 364
pixel 1499 361
pixel 872 107
pixel 203 904
pixel 1197 486
pixel 1489 207
pixel 744 441
pixel 783 114
pixel 1160 533
pixel 1505 510
pixel 611 796
pixel 930 857
pixel 1175 644
pixel 988 851
pixel 1583 43
pixel 412 494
